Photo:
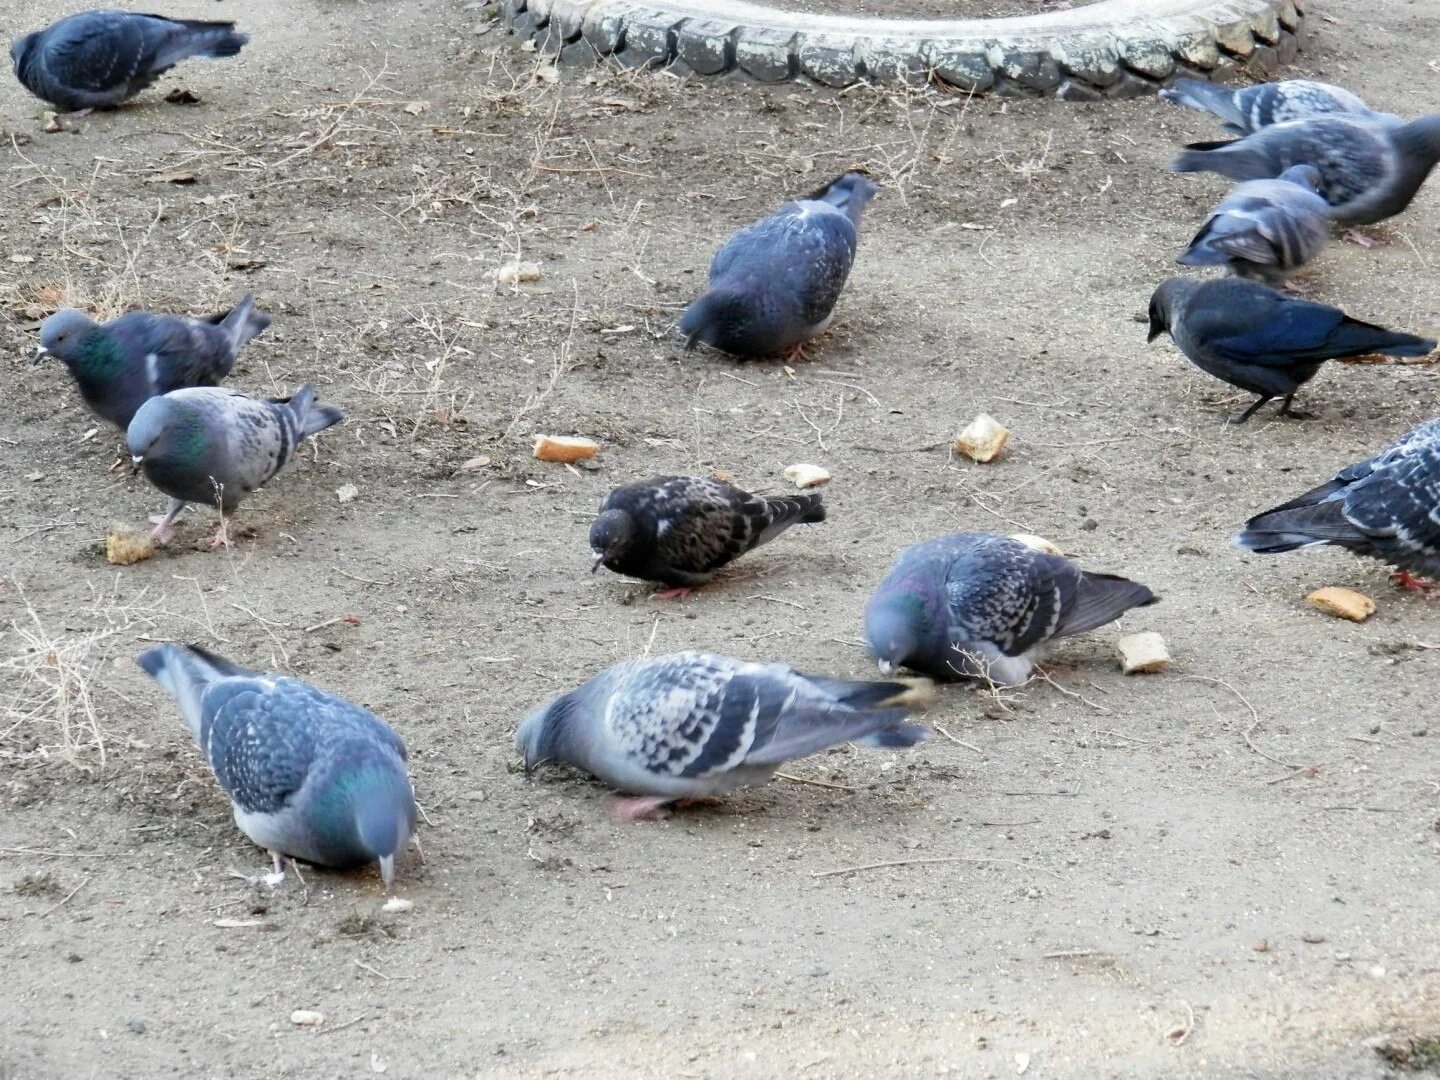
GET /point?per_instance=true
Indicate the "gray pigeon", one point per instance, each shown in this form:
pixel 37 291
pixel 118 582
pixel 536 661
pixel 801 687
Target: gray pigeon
pixel 121 364
pixel 972 605
pixel 309 774
pixel 1369 170
pixel 96 59
pixel 694 725
pixel 213 445
pixel 774 284
pixel 1249 108
pixel 1386 507
pixel 1261 340
pixel 679 530
pixel 1264 229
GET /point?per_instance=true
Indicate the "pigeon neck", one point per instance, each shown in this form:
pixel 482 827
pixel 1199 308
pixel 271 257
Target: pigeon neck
pixel 1421 142
pixel 96 354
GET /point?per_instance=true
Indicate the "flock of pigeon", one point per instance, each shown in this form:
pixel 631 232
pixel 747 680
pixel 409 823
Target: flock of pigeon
pixel 314 777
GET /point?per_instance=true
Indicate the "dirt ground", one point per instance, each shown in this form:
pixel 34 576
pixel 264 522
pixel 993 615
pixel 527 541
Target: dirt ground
pixel 1231 869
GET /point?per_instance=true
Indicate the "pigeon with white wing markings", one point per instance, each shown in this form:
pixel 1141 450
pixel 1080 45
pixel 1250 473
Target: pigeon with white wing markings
pixel 679 530
pixel 1369 170
pixel 1265 229
pixel 1247 109
pixel 692 725
pixel 309 774
pixel 96 59
pixel 974 605
pixel 1386 507
pixel 121 364
pixel 1261 340
pixel 213 445
pixel 774 284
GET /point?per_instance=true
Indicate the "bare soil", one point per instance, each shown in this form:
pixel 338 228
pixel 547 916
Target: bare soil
pixel 1230 869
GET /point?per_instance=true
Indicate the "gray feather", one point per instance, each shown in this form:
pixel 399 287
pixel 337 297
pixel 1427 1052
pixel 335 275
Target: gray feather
pixel 1250 108
pixel 1265 229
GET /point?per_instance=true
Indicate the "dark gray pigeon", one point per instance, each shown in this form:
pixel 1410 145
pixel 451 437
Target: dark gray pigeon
pixel 1369 170
pixel 121 364
pixel 774 284
pixel 1247 109
pixel 1386 507
pixel 309 774
pixel 1253 337
pixel 96 59
pixel 213 445
pixel 679 530
pixel 694 725
pixel 973 605
pixel 1264 229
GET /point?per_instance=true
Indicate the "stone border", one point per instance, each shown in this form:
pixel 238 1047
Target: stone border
pixel 1112 49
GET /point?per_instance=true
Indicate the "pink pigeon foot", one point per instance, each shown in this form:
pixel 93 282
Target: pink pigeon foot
pixel 221 537
pixel 675 594
pixel 1355 236
pixel 641 808
pixel 1424 586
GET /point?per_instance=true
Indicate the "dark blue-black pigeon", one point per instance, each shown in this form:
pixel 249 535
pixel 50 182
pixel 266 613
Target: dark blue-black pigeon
pixel 1249 108
pixel 309 774
pixel 974 605
pixel 1369 169
pixel 96 59
pixel 214 445
pixel 1386 507
pixel 774 284
pixel 1264 229
pixel 121 364
pixel 693 725
pixel 1260 340
pixel 679 530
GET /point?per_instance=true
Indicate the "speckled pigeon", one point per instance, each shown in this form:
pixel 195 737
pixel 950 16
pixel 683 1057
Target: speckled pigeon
pixel 1386 507
pixel 121 364
pixel 213 445
pixel 1369 170
pixel 693 725
pixel 1249 108
pixel 679 530
pixel 96 59
pixel 309 774
pixel 973 605
pixel 774 284
pixel 1264 229
pixel 1261 340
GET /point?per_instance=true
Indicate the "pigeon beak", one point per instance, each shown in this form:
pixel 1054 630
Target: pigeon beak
pixel 599 561
pixel 40 353
pixel 886 667
pixel 387 870
pixel 135 462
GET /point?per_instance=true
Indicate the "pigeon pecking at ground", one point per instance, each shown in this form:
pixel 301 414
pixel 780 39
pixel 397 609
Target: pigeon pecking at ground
pixel 96 59
pixel 693 726
pixel 309 774
pixel 679 530
pixel 1386 507
pixel 973 605
pixel 1369 170
pixel 121 364
pixel 1247 109
pixel 1265 229
pixel 1260 340
pixel 214 445
pixel 774 284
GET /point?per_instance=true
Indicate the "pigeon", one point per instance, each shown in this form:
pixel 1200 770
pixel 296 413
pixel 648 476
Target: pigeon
pixel 1251 336
pixel 774 284
pixel 1386 507
pixel 309 774
pixel 1265 229
pixel 213 445
pixel 679 530
pixel 1250 108
pixel 692 725
pixel 96 59
pixel 973 605
pixel 1369 170
pixel 121 364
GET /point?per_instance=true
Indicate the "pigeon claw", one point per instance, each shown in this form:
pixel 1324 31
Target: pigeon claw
pixel 1424 586
pixel 624 811
pixel 1355 236
pixel 677 593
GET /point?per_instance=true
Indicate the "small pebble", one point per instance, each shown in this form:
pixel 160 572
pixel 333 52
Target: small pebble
pixel 307 1018
pixel 397 904
pixel 137 1026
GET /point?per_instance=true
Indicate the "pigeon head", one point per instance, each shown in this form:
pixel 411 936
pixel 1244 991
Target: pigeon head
pixel 1306 176
pixel 725 318
pixel 1421 139
pixel 1166 301
pixel 851 193
pixel 610 538
pixel 364 808
pixel 541 735
pixel 69 335
pixel 165 429
pixel 893 626
pixel 22 50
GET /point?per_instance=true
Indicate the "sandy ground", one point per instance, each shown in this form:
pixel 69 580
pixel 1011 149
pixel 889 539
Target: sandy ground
pixel 1227 870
